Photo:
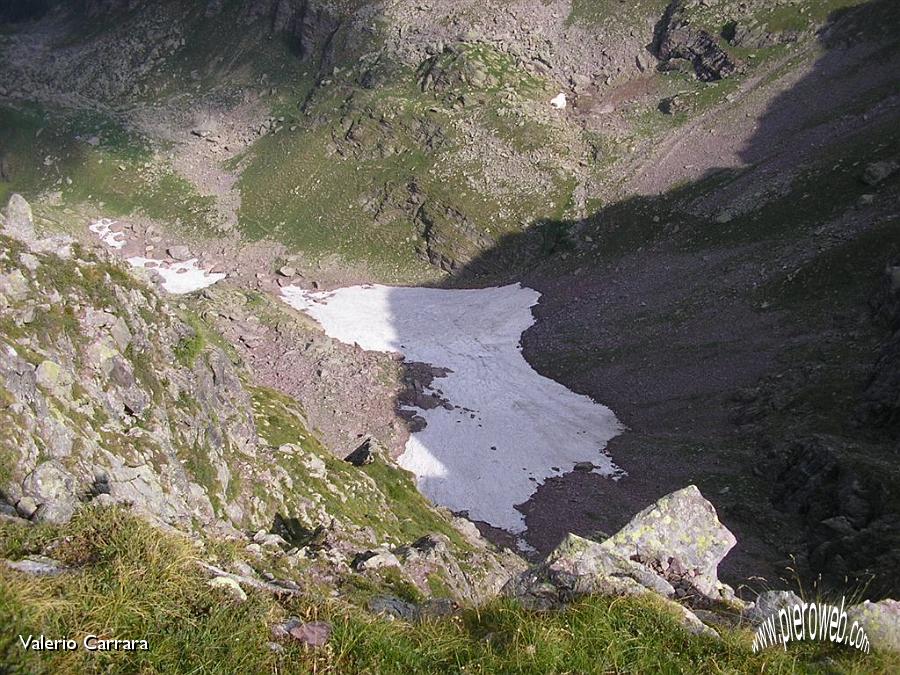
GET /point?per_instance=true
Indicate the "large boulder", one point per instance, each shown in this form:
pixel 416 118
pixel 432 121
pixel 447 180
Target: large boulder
pixel 881 621
pixel 672 548
pixel 18 221
pixel 680 537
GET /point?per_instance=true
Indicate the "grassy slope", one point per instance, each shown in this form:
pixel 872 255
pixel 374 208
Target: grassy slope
pixel 132 581
pixel 118 175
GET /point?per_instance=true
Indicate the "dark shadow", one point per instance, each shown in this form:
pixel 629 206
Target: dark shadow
pixel 15 11
pixel 670 308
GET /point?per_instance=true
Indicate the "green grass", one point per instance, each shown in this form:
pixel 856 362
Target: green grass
pixel 130 580
pixel 389 504
pixel 118 176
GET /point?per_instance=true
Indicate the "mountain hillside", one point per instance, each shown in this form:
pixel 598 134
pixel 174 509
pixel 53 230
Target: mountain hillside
pixel 694 204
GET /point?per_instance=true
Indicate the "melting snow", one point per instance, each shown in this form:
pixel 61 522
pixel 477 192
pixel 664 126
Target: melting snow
pixel 103 229
pixel 558 101
pixel 509 426
pixel 179 277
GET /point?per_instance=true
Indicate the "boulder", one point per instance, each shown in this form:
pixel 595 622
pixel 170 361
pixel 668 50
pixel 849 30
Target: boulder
pixel 878 172
pixel 180 252
pixel 768 603
pixel 681 538
pixel 38 565
pixel 881 621
pixel 18 221
pixel 672 548
pixel 375 559
pixel 53 490
pixel 365 454
pixel 230 586
pixel 392 606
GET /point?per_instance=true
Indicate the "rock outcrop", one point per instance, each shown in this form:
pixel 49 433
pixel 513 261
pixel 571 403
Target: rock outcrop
pixel 672 549
pixel 676 38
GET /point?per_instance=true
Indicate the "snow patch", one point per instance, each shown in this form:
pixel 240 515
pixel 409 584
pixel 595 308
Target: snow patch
pixel 179 277
pixel 509 426
pixel 559 101
pixel 103 229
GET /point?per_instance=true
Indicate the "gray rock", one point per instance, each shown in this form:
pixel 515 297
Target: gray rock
pixel 26 507
pixel 681 537
pixel 375 559
pixel 19 221
pixel 54 490
pixel 313 634
pixel 395 607
pixel 179 252
pixel 287 271
pixel 365 454
pixel 877 172
pixel 672 548
pixel 38 565
pixel 14 285
pixel 30 261
pixel 768 603
pixel 679 39
pixel 881 621
pixel 230 586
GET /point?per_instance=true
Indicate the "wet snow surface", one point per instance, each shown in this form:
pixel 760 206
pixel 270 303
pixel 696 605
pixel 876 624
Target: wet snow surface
pixel 508 428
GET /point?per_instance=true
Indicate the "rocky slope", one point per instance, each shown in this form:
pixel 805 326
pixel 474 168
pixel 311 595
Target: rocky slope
pixel 112 396
pixel 711 220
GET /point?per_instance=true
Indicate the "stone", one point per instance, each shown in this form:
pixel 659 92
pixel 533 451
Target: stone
pixel 30 261
pixel 51 376
pixel 365 454
pixel 14 285
pixel 768 603
pixel 681 536
pixel 269 540
pixel 881 621
pixel 878 172
pixel 374 560
pixel 393 606
pixel 26 507
pixel 312 634
pixel 180 252
pixel 19 221
pixel 679 39
pixel 672 548
pixel 287 271
pixel 232 587
pixel 54 490
pixel 38 565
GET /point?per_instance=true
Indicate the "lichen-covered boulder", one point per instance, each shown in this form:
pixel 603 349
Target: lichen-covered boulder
pixel 672 548
pixel 679 537
pixel 881 621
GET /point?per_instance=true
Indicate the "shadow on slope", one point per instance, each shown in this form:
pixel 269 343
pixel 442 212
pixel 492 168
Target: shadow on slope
pixel 744 291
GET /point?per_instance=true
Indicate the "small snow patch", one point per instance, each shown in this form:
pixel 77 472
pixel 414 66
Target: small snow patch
pixel 179 277
pixel 103 229
pixel 559 101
